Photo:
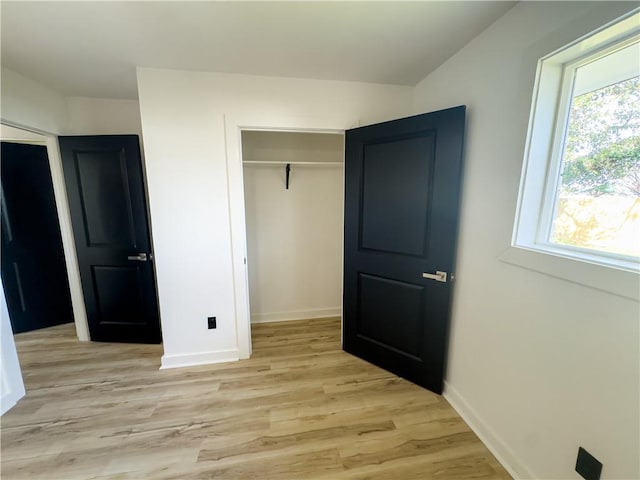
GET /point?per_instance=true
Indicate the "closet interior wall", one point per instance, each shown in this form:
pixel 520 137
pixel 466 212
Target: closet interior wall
pixel 294 235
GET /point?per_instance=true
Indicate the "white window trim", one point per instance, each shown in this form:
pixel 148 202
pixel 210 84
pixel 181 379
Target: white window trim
pixel 549 113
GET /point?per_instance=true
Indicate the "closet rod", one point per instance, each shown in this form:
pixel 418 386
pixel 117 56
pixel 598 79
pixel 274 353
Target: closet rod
pixel 257 162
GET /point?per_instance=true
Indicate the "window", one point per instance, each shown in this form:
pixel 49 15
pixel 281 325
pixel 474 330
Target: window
pixel 595 202
pixel 580 189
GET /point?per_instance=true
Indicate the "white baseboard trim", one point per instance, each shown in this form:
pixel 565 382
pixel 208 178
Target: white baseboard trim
pixel 296 315
pixel 200 358
pixel 505 455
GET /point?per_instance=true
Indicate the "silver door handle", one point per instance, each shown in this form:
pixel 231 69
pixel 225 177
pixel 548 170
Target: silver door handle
pixel 438 276
pixel 141 257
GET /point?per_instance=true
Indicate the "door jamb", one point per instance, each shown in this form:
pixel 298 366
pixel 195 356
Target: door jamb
pixel 235 178
pixel 21 134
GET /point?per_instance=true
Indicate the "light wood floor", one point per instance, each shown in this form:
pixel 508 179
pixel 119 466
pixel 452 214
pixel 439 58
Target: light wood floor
pixel 300 408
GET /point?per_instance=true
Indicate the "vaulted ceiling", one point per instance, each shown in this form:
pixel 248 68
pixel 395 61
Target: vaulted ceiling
pixel 92 48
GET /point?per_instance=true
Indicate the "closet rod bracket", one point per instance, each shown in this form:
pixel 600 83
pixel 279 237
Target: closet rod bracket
pixel 287 170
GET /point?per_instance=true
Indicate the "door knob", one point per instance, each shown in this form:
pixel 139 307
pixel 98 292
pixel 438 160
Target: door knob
pixel 438 276
pixel 141 257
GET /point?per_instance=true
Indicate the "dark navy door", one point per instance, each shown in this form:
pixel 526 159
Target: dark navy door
pixel 34 272
pixel 104 182
pixel 402 194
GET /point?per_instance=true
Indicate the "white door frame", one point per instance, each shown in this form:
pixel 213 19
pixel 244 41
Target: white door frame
pixel 20 134
pixel 235 178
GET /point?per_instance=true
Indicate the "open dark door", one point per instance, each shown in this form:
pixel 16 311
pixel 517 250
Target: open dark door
pixel 103 176
pixel 34 273
pixel 402 189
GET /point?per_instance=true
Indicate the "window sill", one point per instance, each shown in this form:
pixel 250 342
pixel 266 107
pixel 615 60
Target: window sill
pixel 618 281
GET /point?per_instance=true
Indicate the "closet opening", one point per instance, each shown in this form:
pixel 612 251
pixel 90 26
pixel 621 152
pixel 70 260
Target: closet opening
pixel 294 207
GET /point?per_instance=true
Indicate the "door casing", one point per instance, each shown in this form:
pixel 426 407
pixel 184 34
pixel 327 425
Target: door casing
pixel 20 134
pixel 234 127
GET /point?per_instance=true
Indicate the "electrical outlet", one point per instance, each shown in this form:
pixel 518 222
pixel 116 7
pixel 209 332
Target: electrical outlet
pixel 587 465
pixel 211 322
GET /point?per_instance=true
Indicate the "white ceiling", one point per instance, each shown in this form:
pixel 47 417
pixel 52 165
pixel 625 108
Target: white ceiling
pixel 91 49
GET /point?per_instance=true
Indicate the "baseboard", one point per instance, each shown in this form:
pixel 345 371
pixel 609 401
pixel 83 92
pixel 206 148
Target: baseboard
pixel 296 315
pixel 505 455
pixel 200 358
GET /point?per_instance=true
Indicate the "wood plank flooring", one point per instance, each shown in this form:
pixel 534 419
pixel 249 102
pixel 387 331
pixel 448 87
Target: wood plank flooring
pixel 300 408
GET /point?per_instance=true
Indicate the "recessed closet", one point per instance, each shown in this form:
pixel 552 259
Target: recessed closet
pixel 293 187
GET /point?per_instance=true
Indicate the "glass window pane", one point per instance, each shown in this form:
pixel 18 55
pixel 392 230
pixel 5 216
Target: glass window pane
pixel 598 200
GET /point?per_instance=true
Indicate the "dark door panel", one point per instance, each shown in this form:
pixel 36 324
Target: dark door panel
pixel 394 198
pixel 378 299
pixel 105 187
pixel 34 272
pixel 104 198
pixel 402 186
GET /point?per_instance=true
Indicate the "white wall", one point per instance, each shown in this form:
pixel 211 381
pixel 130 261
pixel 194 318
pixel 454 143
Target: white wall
pixel 537 364
pixel 27 103
pixel 11 384
pixel 30 104
pixel 190 120
pixel 294 236
pixel 102 116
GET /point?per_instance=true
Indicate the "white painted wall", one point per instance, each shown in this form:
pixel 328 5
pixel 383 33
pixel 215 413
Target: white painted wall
pixel 30 104
pixel 102 116
pixel 11 384
pixel 538 365
pixel 294 236
pixel 190 120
